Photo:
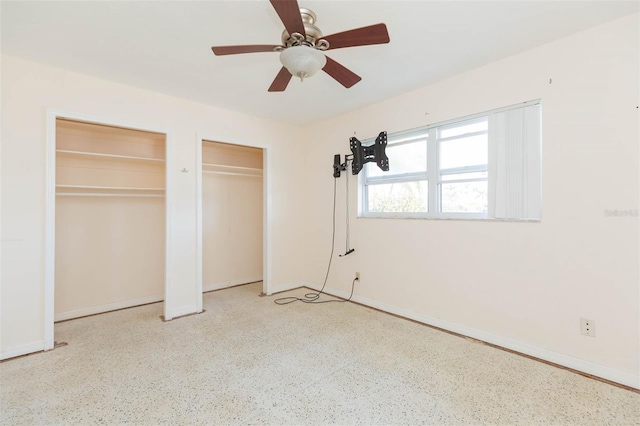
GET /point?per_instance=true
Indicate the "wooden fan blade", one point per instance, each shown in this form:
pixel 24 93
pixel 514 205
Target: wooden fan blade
pixel 373 34
pixel 281 81
pixel 250 48
pixel 341 74
pixel 289 14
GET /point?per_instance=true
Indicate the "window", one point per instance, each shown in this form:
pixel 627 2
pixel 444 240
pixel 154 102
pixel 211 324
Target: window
pixel 481 167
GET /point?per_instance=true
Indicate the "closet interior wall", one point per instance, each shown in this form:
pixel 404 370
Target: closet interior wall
pixel 110 218
pixel 232 215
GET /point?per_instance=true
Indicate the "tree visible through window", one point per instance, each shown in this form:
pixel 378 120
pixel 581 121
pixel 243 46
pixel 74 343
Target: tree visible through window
pixel 406 197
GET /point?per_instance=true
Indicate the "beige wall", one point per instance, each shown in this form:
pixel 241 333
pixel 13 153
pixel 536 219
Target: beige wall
pixel 109 254
pixel 520 284
pixel 232 231
pixel 29 89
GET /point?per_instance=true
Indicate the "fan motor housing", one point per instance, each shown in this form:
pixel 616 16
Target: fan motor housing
pixel 313 33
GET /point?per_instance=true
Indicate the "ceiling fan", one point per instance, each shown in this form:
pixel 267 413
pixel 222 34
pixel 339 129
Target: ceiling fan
pixel 303 43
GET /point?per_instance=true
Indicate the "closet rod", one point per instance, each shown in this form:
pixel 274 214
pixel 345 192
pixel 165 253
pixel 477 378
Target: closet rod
pixel 92 194
pixel 230 173
pixel 226 166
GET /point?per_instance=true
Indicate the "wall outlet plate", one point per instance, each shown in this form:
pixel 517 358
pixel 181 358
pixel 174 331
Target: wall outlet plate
pixel 587 327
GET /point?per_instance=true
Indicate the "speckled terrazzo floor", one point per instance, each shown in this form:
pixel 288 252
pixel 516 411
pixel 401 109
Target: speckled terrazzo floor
pixel 248 361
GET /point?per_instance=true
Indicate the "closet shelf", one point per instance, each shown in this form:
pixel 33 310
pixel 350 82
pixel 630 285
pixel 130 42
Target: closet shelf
pixel 70 189
pixel 230 168
pixel 209 172
pixel 107 156
pixel 223 169
pixel 114 194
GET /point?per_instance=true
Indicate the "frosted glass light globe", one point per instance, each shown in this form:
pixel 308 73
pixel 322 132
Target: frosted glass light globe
pixel 302 61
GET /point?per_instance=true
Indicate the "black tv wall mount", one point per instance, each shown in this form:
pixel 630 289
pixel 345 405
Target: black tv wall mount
pixel 360 155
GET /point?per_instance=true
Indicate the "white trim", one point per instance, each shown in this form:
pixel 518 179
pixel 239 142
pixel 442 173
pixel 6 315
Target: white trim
pixel 1 240
pixel 180 311
pixel 62 316
pixel 123 124
pixel 50 229
pixel 168 221
pixel 267 173
pixel 290 286
pixel 439 215
pixel 50 208
pixel 468 216
pixel 461 135
pixel 584 366
pixel 398 178
pixel 199 261
pixel 266 210
pixel 29 348
pixel 226 284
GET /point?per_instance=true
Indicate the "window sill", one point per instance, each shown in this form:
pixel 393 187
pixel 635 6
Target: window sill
pixel 459 218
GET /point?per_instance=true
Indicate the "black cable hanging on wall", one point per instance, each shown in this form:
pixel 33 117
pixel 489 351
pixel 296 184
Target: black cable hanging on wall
pixel 314 296
pixel 347 250
pixel 359 156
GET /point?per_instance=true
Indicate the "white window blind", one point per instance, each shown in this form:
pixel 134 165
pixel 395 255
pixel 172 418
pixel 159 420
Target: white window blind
pixel 514 163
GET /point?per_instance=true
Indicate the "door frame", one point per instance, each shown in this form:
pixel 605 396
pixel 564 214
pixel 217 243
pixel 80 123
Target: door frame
pixel 266 209
pixel 50 207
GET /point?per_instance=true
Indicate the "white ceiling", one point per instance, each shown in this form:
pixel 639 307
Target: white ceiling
pixel 166 46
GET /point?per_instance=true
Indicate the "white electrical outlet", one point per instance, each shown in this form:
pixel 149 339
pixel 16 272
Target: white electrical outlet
pixel 587 327
pixel 358 276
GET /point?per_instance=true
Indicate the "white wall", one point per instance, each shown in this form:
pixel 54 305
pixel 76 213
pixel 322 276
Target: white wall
pixel 28 90
pixel 110 253
pixel 521 285
pixel 231 230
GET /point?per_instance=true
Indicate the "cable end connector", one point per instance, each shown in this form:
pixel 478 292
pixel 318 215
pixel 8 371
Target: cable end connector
pixel 347 253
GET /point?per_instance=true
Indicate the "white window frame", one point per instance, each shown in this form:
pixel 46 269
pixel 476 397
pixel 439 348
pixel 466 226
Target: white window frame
pixel 433 174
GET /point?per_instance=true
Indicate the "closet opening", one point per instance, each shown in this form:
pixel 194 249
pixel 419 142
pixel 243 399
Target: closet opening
pixel 232 215
pixel 109 219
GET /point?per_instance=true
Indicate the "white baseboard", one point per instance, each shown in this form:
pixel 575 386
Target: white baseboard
pixel 588 367
pixel 62 316
pixel 288 287
pixel 225 284
pixel 182 311
pixel 107 307
pixel 22 350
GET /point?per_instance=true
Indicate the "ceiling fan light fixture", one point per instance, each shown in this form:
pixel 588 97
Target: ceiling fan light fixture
pixel 302 61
